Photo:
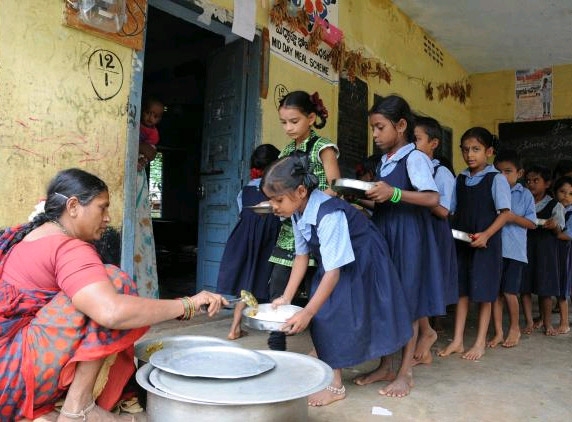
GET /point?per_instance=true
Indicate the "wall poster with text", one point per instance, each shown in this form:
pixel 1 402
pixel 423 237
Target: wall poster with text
pixel 291 44
pixel 533 94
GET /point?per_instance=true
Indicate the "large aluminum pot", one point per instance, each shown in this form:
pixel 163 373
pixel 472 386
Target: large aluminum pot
pixel 162 407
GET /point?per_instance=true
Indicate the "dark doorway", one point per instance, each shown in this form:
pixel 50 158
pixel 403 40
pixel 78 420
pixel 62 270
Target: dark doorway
pixel 176 54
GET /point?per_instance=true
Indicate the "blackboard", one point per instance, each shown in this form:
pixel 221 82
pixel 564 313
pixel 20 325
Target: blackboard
pixel 540 142
pixel 352 125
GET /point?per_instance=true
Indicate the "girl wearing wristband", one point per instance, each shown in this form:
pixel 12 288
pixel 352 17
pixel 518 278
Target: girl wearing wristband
pixel 404 194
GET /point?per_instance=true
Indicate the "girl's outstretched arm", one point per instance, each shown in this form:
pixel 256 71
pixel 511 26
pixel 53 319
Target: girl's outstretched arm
pixel 300 320
pixel 299 267
pixel 382 192
pixel 331 167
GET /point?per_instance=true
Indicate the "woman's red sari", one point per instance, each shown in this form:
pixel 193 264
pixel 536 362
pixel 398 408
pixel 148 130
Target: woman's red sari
pixel 43 336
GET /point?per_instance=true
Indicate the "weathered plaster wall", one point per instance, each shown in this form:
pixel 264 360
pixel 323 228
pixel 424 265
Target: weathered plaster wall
pixel 64 104
pixel 493 100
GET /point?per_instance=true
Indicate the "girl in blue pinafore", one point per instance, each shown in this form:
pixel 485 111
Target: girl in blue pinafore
pixel 481 197
pixel 542 276
pixel 563 192
pixel 244 264
pixel 404 194
pixel 357 306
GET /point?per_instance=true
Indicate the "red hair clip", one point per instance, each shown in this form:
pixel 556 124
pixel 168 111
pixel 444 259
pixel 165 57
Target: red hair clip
pixel 321 110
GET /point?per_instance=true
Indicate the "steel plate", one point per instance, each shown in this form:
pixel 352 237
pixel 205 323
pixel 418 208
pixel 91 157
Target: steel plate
pixel 262 208
pixel 540 221
pixel 294 376
pixel 352 187
pixel 459 235
pixel 213 362
pixel 268 319
pixel 144 349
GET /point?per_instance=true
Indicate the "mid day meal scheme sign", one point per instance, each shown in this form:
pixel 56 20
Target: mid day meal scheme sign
pixel 292 44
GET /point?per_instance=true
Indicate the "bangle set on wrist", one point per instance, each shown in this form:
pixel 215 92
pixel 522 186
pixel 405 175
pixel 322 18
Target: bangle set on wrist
pixel 189 308
pixel 396 195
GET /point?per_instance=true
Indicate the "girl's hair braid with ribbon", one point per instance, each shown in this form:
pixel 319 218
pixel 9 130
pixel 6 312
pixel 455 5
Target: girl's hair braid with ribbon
pixel 307 104
pixel 286 174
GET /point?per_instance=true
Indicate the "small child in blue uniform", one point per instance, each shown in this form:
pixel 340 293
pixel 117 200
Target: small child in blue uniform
pixel 244 264
pixel 404 193
pixel 479 206
pixel 357 306
pixel 428 134
pixel 522 218
pixel 542 276
pixel 563 192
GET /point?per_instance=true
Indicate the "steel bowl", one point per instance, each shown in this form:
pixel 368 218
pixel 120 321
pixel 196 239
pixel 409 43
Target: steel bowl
pixel 260 322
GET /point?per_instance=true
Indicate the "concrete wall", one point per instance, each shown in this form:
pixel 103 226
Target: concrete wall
pixel 52 115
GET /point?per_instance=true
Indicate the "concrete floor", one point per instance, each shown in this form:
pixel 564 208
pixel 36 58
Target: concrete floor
pixel 531 382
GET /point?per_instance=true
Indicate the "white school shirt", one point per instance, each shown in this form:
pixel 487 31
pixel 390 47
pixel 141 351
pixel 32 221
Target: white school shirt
pixel 333 233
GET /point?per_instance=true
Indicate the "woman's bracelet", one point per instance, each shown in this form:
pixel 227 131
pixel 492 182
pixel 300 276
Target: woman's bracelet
pixel 189 308
pixel 396 195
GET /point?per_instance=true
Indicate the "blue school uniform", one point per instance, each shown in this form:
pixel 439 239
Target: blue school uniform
pixel 366 314
pixel 244 264
pixel 514 240
pixel 565 256
pixel 542 276
pixel 409 232
pixel 445 182
pixel 475 202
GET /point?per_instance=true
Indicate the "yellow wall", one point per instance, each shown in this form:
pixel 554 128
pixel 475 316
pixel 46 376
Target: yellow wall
pixel 493 99
pixel 50 115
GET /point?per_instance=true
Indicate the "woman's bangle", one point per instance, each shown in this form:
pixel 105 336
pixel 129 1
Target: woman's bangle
pixel 396 195
pixel 188 307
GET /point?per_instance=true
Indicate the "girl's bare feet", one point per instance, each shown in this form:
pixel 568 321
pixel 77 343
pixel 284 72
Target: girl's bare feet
pixel 512 339
pixel 380 374
pixel 528 329
pixel 401 387
pixel 549 330
pixel 563 329
pixel 474 353
pixel 495 341
pixel 537 323
pixel 422 353
pixel 236 333
pixel 453 347
pixel 327 396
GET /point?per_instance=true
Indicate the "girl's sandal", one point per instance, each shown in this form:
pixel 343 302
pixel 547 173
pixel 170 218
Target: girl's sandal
pixel 82 414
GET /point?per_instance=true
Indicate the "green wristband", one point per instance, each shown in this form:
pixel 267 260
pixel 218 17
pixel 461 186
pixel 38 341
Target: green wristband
pixel 396 195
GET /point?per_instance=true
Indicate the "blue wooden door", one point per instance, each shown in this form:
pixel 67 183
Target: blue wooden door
pixel 222 161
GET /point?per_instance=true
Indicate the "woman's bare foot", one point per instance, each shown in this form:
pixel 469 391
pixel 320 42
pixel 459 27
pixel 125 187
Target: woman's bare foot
pixel 422 353
pixel 563 329
pixel 380 374
pixel 236 333
pixel 474 353
pixel 327 396
pixel 401 387
pixel 451 348
pixel 495 341
pixel 96 414
pixel 512 339
pixel 549 330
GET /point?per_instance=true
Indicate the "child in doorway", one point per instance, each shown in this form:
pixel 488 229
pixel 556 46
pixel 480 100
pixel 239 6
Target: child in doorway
pixel 428 134
pixel 356 306
pixel 563 192
pixel 404 193
pixel 522 217
pixel 244 264
pixel 299 113
pixel 479 206
pixel 542 274
pixel 151 115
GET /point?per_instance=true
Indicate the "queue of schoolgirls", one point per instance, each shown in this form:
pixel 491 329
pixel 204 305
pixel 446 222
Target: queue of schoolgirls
pixel 375 280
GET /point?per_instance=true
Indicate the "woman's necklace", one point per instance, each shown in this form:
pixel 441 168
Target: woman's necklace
pixel 60 225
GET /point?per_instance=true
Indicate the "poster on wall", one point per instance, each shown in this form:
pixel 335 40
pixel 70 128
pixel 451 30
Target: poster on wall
pixel 533 91
pixel 292 45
